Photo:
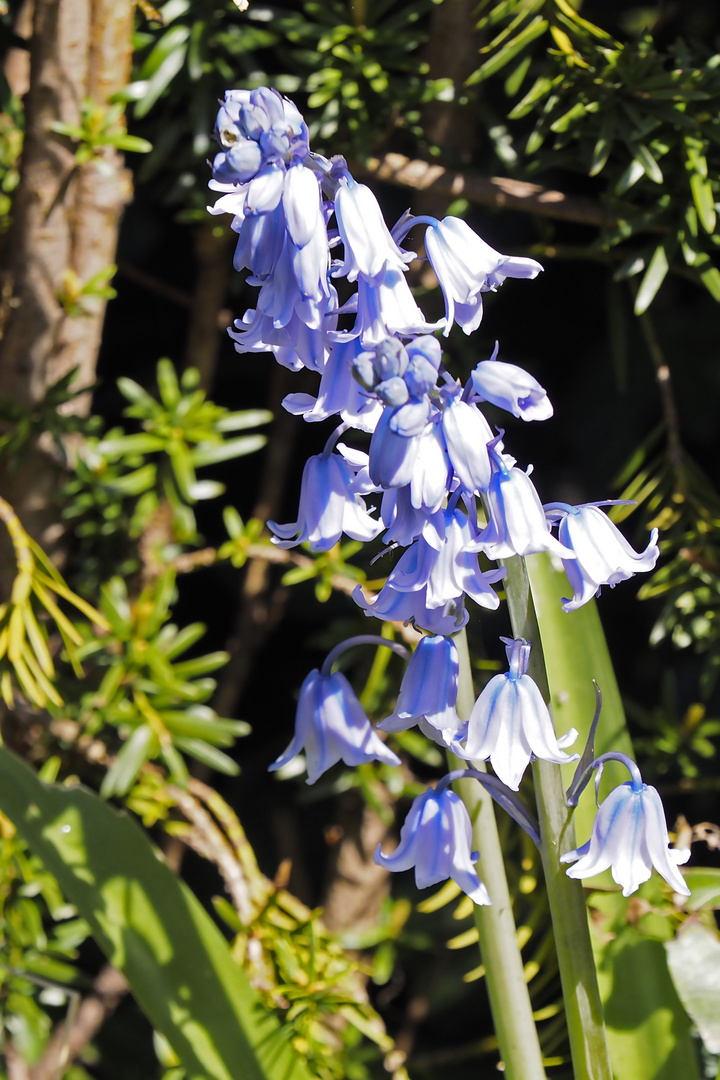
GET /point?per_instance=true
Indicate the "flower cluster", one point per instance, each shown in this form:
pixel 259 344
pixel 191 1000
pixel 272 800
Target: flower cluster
pixel 440 482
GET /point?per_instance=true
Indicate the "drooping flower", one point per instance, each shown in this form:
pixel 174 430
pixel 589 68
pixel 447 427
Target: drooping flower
pixel 466 266
pixel 444 560
pixel 255 128
pixel 467 434
pixel 328 508
pixel 602 554
pixel 436 839
pixel 368 246
pixel 428 692
pixel 512 388
pixel 630 836
pixel 392 605
pixel 517 523
pixel 331 726
pixel 339 393
pixel 510 722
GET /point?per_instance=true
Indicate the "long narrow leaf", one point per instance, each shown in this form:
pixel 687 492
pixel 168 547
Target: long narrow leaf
pixel 151 927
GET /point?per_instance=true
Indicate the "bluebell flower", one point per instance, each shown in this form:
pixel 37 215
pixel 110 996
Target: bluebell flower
pixel 436 839
pixel 392 456
pixel 294 344
pixel 465 267
pixel 428 692
pixel 393 605
pixel 328 508
pixel 369 249
pixel 257 125
pixel 386 306
pixel 511 388
pixel 339 393
pixel 444 562
pixel 432 472
pixel 630 836
pixel 510 722
pixel 260 242
pixel 516 519
pixel 602 554
pixel 331 726
pixel 403 521
pixel 467 434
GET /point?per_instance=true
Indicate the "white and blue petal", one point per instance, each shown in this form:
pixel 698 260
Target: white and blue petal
pixel 512 388
pixel 331 726
pixel 436 839
pixel 629 837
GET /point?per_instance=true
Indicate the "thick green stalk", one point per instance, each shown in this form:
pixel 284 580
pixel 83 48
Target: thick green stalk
pixel 583 1007
pixel 509 999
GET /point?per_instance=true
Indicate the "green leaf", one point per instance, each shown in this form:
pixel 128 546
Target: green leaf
pixel 575 653
pixel 211 453
pixel 652 280
pixel 704 885
pixel 650 166
pixel 603 146
pixel 142 443
pixel 648 1029
pixel 132 143
pixel 209 755
pixel 694 962
pixel 152 928
pixel 704 200
pixel 168 384
pixel 238 421
pixel 533 30
pixel 139 748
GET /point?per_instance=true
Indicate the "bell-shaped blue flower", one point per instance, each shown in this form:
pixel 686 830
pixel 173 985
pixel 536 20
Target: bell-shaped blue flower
pixel 436 839
pixel 602 554
pixel 517 523
pixel 466 266
pixel 467 434
pixel 328 508
pixel 428 692
pixel 443 560
pixel 392 605
pixel 510 722
pixel 386 306
pixel 368 246
pixel 511 388
pixel 331 726
pixel 630 836
pixel 392 456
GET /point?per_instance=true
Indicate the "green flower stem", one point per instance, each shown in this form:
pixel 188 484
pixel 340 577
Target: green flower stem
pixel 509 998
pixel 583 1007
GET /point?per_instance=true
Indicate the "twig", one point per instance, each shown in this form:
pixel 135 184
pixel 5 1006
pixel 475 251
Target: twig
pixel 70 1039
pixel 500 191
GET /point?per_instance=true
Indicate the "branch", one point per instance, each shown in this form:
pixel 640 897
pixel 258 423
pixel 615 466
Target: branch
pixel 69 1041
pixel 498 191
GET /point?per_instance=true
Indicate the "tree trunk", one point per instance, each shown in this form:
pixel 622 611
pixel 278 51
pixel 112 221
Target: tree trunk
pixel 65 220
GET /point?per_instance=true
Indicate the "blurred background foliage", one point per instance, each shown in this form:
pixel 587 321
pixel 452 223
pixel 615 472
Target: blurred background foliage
pixel 173 628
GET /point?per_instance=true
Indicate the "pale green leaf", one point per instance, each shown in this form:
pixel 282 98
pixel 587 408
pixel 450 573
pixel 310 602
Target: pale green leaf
pixel 151 927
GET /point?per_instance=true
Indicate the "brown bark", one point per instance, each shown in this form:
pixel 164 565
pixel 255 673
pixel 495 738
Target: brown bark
pixel 65 219
pixel 357 886
pixel 208 319
pixel 452 52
